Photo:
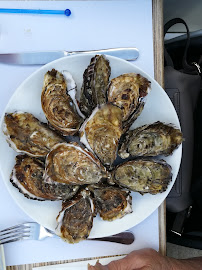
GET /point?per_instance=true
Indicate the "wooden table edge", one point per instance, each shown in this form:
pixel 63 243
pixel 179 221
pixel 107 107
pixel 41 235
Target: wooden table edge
pixel 30 266
pixel 158 37
pixel 157 17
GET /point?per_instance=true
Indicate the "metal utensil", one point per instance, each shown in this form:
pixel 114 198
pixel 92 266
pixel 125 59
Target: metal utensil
pixel 34 231
pixel 41 58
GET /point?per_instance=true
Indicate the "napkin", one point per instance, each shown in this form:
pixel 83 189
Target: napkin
pixel 92 25
pixel 78 265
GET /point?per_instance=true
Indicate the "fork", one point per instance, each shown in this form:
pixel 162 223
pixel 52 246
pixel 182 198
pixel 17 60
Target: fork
pixel 35 231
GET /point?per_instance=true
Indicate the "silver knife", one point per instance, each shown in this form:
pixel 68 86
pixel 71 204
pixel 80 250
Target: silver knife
pixel 41 58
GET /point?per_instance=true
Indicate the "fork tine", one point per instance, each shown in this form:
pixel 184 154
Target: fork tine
pixel 10 232
pixel 18 235
pixel 15 233
pixel 13 240
pixel 11 228
pixel 19 232
pixel 23 225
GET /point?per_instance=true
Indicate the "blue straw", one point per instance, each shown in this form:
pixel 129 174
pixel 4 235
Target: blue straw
pixel 66 12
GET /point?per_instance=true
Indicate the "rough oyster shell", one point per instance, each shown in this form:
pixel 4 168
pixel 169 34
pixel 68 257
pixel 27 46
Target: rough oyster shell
pixel 101 133
pixel 143 175
pixel 75 220
pixel 151 140
pixel 28 176
pixel 27 134
pixel 111 203
pixel 70 164
pixel 127 92
pixel 95 83
pixel 59 108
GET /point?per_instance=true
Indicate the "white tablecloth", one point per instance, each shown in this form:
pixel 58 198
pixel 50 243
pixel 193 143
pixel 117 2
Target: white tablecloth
pixel 92 25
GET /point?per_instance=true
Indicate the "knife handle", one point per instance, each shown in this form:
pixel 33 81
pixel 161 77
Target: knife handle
pixel 125 238
pixel 128 54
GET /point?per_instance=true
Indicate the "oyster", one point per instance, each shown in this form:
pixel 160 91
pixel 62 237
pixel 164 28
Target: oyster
pixel 28 176
pixel 102 131
pixel 58 106
pixel 127 92
pixel 27 134
pixel 151 140
pixel 70 164
pixel 95 83
pixel 143 175
pixel 75 220
pixel 111 203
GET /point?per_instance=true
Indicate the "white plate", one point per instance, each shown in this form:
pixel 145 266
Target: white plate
pixel 27 97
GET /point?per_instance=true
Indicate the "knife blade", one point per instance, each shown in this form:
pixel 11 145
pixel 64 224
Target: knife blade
pixel 41 58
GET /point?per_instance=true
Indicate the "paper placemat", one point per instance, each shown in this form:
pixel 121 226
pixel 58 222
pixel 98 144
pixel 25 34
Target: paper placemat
pixel 92 25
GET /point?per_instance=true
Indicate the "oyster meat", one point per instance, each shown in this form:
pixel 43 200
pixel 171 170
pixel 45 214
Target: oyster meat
pixel 95 83
pixel 111 203
pixel 151 140
pixel 127 91
pixel 27 134
pixel 28 176
pixel 144 175
pixel 69 163
pixel 102 131
pixel 75 220
pixel 60 109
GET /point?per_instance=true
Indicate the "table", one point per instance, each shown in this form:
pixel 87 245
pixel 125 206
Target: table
pixel 157 10
pixel 158 68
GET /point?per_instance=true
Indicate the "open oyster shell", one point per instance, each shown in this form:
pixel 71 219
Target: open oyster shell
pixel 143 175
pixel 59 108
pixel 102 131
pixel 27 134
pixel 151 140
pixel 127 91
pixel 95 83
pixel 70 164
pixel 75 220
pixel 28 176
pixel 111 203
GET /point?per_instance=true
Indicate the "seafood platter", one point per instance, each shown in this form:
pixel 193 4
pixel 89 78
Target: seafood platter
pixel 92 146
